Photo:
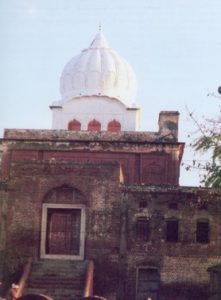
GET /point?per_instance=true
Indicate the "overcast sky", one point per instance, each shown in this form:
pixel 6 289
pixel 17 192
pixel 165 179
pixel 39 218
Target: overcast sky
pixel 174 47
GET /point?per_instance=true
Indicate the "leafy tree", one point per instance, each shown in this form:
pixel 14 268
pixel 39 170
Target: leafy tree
pixel 209 142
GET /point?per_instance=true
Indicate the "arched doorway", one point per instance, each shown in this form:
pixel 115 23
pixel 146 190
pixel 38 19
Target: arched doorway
pixel 63 224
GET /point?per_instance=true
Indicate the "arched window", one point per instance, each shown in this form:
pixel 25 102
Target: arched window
pixel 74 125
pixel 94 125
pixel 114 126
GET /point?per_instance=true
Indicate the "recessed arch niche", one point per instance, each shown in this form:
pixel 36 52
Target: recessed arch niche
pixel 63 224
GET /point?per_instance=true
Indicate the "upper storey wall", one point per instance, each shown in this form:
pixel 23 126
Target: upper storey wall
pixel 141 162
pixel 145 157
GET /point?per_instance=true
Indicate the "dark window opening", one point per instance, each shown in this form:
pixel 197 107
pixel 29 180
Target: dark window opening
pixel 173 205
pixel 172 233
pixel 202 231
pixel 142 203
pixel 143 229
pixel 203 205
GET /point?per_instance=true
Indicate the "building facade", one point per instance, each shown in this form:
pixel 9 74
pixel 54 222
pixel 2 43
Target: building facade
pixel 96 188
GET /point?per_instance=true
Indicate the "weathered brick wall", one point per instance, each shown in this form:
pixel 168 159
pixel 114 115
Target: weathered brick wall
pixel 36 134
pixel 30 182
pixel 3 226
pixel 182 265
pixel 187 269
pixel 47 160
pixel 141 163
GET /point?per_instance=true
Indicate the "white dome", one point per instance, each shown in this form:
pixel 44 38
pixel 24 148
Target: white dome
pixel 98 71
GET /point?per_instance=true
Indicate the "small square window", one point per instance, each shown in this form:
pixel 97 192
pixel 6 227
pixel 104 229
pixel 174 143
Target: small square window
pixel 142 203
pixel 203 206
pixel 173 205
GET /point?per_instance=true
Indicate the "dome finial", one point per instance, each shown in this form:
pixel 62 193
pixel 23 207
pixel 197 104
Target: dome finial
pixel 99 26
pixel 99 40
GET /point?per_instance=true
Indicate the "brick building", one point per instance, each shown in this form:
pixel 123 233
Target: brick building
pixel 95 188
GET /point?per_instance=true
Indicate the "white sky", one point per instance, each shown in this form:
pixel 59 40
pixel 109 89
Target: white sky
pixel 174 47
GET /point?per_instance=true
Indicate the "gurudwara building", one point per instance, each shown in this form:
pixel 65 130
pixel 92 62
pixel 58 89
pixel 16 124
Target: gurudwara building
pixel 94 206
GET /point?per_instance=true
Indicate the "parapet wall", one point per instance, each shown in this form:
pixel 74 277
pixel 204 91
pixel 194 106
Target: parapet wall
pixel 168 132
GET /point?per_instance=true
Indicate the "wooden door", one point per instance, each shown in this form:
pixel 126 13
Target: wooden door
pixel 147 284
pixel 63 231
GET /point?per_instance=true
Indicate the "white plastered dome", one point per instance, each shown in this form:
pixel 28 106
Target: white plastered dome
pixel 98 71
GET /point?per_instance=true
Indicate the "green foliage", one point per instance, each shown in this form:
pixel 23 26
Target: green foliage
pixel 209 142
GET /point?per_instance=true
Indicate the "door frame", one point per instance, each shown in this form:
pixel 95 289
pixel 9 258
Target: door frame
pixel 45 208
pixel 137 278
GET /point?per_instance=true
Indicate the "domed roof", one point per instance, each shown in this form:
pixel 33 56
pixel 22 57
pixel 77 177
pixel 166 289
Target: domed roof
pixel 98 70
